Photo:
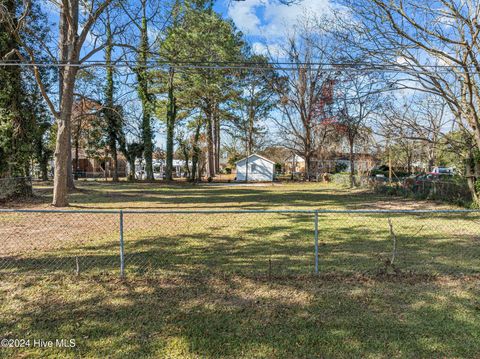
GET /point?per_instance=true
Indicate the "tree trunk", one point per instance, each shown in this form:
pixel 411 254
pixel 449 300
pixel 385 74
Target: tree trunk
pixel 44 168
pixel 308 151
pixel 131 170
pixel 431 160
pixel 196 152
pixel 114 162
pixel 112 116
pixel 66 43
pixel 217 142
pixel 61 159
pixel 210 149
pixel 352 165
pixel 471 179
pixel 171 116
pixel 390 170
pixel 145 96
pixel 187 158
pixel 63 179
pixel 307 166
pixel 251 120
pixel 77 145
pixel 62 149
pixel 70 180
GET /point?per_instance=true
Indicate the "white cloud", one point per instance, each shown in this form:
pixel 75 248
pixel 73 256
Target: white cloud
pixel 270 19
pixel 259 48
pixel 272 49
pixel 244 16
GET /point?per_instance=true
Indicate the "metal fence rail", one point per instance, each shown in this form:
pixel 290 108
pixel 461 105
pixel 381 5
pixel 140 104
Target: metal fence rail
pixel 272 242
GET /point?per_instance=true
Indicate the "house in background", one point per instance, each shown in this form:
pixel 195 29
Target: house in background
pixel 255 168
pixel 159 168
pixel 100 166
pixel 294 164
pixel 340 162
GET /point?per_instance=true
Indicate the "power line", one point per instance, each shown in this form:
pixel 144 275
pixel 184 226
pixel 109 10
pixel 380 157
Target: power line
pixel 234 65
pixel 189 62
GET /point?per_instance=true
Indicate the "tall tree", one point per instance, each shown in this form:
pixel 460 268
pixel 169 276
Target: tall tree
pixel 111 116
pixel 358 99
pixel 144 91
pixel 421 119
pixel 24 124
pixel 305 93
pixel 171 117
pixel 71 56
pixel 206 38
pixel 253 105
pixel 14 123
pixel 435 46
pixel 170 52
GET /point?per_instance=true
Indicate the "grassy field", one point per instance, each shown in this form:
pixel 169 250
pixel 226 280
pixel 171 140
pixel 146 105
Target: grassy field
pixel 239 285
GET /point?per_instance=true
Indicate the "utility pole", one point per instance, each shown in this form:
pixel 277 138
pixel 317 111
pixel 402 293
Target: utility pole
pixel 389 162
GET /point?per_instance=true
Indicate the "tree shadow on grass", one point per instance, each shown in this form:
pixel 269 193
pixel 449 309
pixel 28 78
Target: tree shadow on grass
pixel 195 198
pixel 258 248
pixel 216 316
pixel 198 295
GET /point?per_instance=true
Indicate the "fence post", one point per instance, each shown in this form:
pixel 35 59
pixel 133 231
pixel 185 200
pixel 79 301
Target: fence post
pixel 316 241
pixel 122 256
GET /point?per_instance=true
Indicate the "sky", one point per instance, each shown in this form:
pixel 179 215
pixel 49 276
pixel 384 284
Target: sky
pixel 266 22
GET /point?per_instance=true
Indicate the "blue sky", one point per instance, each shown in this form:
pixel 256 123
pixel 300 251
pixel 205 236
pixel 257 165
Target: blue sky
pixel 266 22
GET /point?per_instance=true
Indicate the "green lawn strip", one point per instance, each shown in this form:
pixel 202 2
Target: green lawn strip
pixel 186 196
pixel 241 285
pixel 236 316
pixel 269 243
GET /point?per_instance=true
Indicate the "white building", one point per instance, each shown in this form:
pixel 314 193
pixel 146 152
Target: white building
pixel 158 168
pixel 255 168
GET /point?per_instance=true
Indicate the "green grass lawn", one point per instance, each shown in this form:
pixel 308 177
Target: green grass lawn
pixel 240 285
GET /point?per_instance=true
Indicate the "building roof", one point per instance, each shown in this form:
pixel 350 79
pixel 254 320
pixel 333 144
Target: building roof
pixel 297 159
pixel 255 155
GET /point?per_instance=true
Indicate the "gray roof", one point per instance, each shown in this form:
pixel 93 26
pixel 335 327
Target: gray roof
pixel 255 155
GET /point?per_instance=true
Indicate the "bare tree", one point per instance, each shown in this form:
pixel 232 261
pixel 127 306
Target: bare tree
pixel 398 137
pixel 435 48
pixel 423 119
pixel 305 91
pixel 358 99
pixel 76 26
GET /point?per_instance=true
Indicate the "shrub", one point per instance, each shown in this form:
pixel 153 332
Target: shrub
pixel 15 187
pixel 452 191
pixel 340 167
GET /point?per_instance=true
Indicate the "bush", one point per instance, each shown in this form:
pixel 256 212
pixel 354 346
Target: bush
pixel 343 179
pixel 399 174
pixel 15 187
pixel 452 191
pixel 340 167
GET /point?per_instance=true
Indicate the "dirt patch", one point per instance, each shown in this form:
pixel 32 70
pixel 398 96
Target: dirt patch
pixel 390 203
pixel 30 233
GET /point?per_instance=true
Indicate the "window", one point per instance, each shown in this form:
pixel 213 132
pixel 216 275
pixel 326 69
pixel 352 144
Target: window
pixel 253 168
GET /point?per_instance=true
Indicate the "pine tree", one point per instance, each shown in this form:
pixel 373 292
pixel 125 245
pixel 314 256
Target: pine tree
pixel 16 124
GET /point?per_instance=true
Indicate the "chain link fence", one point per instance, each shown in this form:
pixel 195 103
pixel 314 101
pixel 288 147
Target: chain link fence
pixel 271 243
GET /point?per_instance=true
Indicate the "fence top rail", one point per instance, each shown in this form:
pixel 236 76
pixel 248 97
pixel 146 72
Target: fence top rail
pixel 259 211
pixel 104 211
